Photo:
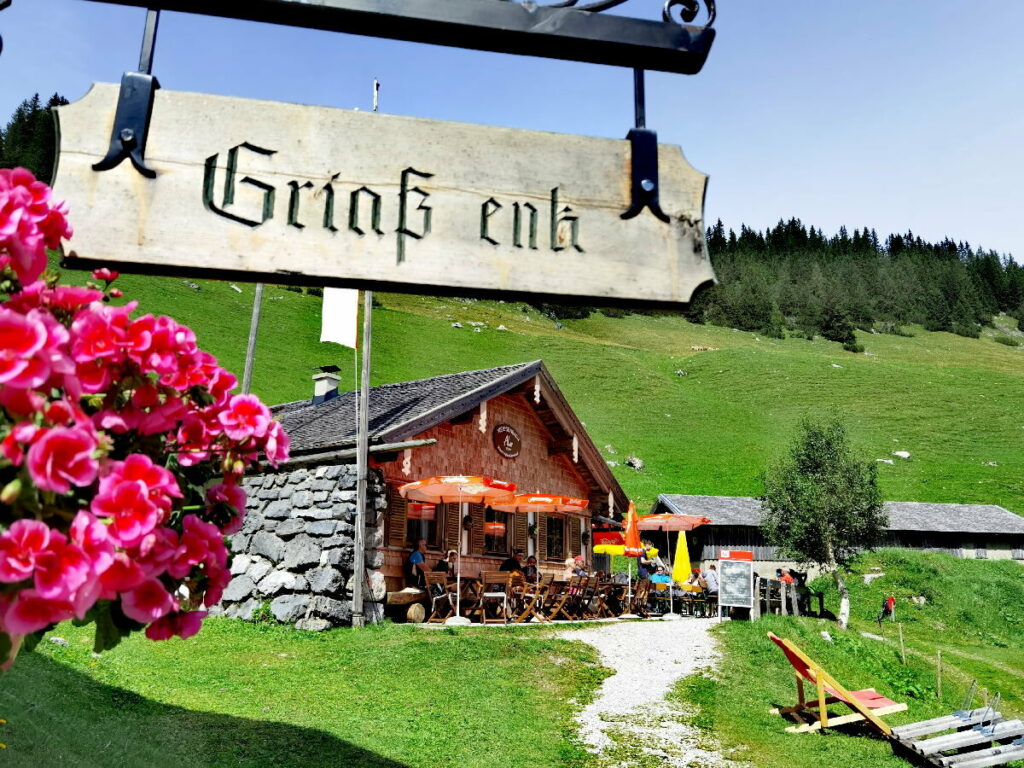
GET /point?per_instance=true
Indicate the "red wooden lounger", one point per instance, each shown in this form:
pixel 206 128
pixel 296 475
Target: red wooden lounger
pixel 866 704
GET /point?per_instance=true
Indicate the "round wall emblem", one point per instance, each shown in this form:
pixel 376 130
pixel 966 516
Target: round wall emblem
pixel 507 440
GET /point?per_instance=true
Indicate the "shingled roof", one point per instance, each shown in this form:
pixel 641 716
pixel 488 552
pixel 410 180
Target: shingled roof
pixel 395 409
pixel 903 515
pixel 405 409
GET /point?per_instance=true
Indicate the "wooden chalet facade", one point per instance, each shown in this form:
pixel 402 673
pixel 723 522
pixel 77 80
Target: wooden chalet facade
pixel 511 423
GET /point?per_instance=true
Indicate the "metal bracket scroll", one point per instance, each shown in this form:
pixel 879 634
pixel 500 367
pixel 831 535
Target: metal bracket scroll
pixel 3 4
pixel 131 124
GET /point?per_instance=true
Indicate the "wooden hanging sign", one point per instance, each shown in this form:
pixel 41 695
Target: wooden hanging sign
pixel 257 190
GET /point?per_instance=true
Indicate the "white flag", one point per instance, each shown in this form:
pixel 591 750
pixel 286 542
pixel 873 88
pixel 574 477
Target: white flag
pixel 340 316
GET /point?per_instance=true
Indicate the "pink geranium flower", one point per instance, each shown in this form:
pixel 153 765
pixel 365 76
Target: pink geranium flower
pixel 124 574
pixel 62 457
pixel 132 513
pixel 91 535
pixel 245 417
pixel 22 337
pixel 148 602
pixel 183 625
pixel 61 569
pixel 20 547
pixel 30 612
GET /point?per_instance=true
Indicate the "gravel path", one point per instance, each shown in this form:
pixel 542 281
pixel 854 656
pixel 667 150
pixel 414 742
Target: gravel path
pixel 629 717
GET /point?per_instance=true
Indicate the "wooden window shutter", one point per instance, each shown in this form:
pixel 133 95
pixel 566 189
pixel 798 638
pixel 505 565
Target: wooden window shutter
pixel 396 518
pixel 575 547
pixel 452 526
pixel 520 532
pixel 476 511
pixel 542 538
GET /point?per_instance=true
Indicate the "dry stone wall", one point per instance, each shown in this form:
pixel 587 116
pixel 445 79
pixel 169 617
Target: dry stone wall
pixel 295 551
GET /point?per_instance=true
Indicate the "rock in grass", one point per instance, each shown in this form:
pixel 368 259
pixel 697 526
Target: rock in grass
pixel 288 608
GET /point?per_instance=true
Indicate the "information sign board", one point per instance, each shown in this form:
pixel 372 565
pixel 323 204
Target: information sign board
pixel 735 577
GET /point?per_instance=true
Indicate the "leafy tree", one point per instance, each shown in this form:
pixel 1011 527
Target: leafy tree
pixel 29 140
pixel 822 504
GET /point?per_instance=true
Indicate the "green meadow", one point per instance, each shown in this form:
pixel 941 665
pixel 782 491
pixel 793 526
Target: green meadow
pixel 954 403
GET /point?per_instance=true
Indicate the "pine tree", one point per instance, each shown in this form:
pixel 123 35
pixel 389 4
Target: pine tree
pixel 29 140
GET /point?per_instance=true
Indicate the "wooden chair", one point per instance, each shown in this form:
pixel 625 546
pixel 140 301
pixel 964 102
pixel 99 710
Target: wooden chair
pixel 578 602
pixel 640 596
pixel 867 705
pixel 602 595
pixel 496 588
pixel 559 599
pixel 442 600
pixel 531 600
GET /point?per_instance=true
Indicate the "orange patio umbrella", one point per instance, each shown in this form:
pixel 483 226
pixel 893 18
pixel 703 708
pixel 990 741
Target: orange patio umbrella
pixel 450 489
pixel 670 522
pixel 541 502
pixel 456 489
pixel 633 548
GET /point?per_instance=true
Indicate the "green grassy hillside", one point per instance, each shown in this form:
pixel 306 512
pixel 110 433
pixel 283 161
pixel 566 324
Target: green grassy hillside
pixel 955 404
pixel 973 612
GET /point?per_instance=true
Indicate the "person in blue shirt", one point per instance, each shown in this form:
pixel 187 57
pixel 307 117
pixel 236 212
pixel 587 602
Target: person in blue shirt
pixel 418 563
pixel 661 577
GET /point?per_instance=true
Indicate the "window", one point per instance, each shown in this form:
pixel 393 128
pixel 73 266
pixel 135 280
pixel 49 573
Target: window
pixel 981 553
pixel 556 538
pixel 496 532
pixel 424 521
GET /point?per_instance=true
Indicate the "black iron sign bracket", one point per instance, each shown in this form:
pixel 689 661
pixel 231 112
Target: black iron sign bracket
pixel 134 108
pixel 567 29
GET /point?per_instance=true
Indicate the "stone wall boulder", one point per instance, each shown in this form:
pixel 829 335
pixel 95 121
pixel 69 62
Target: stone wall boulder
pixel 295 550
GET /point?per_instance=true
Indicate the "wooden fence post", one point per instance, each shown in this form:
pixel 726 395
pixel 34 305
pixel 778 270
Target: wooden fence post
pixel 794 599
pixel 782 600
pixel 755 603
pixel 938 673
pixel 903 650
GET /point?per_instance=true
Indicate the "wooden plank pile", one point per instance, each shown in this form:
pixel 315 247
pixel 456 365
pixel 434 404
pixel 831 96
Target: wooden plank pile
pixel 976 738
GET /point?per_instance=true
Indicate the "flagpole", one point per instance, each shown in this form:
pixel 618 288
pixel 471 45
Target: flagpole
pixel 363 450
pixel 250 348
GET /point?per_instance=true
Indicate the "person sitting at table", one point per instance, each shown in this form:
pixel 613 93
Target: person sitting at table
pixel 711 577
pixel 580 567
pixel 418 564
pixel 568 571
pixel 514 563
pixel 446 564
pixel 660 577
pixel 530 572
pixel 782 574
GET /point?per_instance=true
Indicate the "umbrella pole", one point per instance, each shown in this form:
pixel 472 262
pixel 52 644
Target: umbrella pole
pixel 458 618
pixel 671 598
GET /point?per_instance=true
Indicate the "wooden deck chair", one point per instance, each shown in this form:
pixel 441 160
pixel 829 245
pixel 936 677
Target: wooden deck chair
pixel 442 601
pixel 867 704
pixel 496 588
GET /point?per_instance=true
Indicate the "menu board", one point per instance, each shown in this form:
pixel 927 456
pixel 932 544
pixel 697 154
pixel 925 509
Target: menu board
pixel 735 583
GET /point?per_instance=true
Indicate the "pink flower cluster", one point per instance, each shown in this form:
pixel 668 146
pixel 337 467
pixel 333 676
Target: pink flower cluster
pixel 30 222
pixel 121 447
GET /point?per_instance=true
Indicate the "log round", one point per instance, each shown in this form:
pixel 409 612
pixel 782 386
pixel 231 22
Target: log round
pixel 415 613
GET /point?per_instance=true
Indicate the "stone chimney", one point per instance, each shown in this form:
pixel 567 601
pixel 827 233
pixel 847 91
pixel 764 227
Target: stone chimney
pixel 325 383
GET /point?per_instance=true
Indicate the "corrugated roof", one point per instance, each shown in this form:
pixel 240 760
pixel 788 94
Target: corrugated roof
pixel 903 515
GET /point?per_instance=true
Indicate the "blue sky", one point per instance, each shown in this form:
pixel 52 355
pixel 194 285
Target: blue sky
pixel 895 115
